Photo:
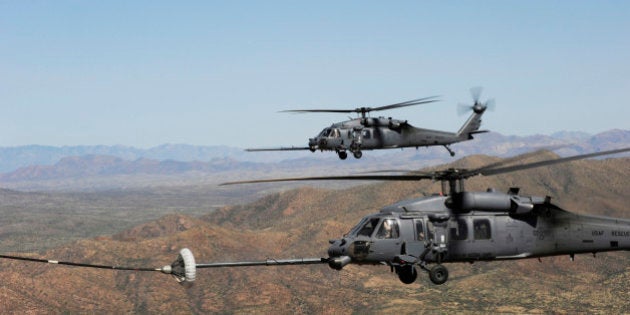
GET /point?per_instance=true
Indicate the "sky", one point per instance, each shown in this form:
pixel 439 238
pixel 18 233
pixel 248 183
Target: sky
pixel 145 73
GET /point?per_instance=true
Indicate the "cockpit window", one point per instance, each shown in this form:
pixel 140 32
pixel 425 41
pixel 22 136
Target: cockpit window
pixel 388 229
pixel 324 132
pixel 369 227
pixel 357 227
pixel 419 230
pixel 335 133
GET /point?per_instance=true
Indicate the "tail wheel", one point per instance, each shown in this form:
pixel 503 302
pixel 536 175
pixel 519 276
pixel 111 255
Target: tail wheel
pixel 438 274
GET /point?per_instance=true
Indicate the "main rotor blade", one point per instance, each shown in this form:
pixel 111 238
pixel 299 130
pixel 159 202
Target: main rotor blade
pixel 515 159
pixel 321 178
pixel 449 174
pixel 408 171
pixel 420 101
pixel 318 111
pixel 507 169
pixel 360 110
pixel 477 170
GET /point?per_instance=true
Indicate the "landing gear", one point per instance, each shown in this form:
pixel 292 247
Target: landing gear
pixel 407 274
pixel 357 154
pixel 449 150
pixel 343 155
pixel 438 274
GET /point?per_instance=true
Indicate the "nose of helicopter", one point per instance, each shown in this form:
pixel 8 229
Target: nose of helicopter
pixel 338 248
pixel 317 142
pixel 338 254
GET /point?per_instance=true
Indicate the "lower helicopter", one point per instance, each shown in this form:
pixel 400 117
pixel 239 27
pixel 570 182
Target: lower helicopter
pixel 427 232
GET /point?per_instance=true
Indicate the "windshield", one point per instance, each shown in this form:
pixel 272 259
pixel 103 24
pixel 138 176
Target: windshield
pixel 368 227
pixel 324 133
pixel 356 228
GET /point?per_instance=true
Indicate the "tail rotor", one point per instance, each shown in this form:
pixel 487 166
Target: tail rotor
pixel 478 107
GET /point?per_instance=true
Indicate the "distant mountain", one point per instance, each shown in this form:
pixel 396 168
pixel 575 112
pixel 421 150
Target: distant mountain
pixel 12 158
pixel 104 165
pixel 181 162
pixel 572 136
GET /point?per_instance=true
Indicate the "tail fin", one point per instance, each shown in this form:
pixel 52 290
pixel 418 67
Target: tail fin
pixel 472 125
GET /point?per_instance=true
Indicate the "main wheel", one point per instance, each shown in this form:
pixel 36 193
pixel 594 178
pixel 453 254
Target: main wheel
pixel 343 155
pixel 438 274
pixel 358 154
pixel 407 274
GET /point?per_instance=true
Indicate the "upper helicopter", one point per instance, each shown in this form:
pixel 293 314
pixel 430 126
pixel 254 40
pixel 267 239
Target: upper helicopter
pixel 368 133
pixel 455 226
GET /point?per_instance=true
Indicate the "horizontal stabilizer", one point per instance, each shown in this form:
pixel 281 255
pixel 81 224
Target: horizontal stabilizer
pixel 478 131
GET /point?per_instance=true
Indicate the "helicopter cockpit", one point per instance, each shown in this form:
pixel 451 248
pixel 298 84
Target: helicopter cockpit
pixel 375 239
pixel 385 228
pixel 324 133
pixel 328 139
pixel 329 133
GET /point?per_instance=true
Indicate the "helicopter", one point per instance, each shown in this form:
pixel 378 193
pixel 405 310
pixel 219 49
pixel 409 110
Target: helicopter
pixel 462 226
pixel 368 133
pixel 427 232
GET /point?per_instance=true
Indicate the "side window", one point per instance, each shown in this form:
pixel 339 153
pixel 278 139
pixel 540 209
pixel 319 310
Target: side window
pixel 368 228
pixel 334 133
pixel 389 229
pixel 460 231
pixel 366 134
pixel 482 229
pixel 419 230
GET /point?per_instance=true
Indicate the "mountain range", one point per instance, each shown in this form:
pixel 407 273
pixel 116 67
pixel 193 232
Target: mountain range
pixel 111 167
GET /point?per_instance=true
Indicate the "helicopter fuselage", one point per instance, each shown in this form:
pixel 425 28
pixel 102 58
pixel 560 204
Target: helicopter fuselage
pixel 378 133
pixel 468 227
pixel 369 133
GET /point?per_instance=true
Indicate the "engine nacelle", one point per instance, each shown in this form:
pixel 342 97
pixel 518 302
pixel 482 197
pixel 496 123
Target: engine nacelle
pixel 519 206
pixel 491 201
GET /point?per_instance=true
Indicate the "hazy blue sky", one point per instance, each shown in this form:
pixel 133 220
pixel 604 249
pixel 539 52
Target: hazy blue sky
pixel 144 73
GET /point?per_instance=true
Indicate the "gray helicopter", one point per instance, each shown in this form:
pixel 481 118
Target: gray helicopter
pixel 367 133
pixel 462 226
pixel 455 226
